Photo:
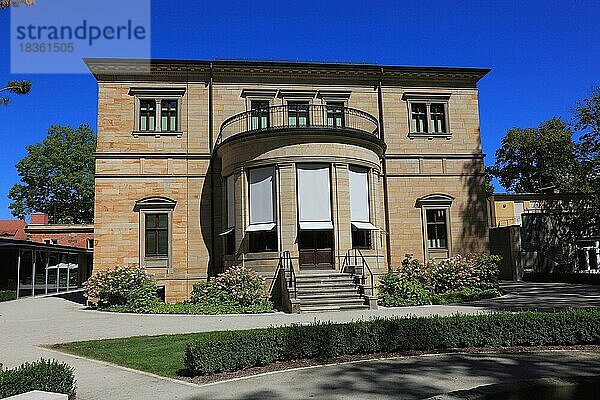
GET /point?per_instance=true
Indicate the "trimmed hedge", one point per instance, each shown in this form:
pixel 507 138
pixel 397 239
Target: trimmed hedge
pixel 460 296
pixel 6 295
pixel 46 375
pixel 235 350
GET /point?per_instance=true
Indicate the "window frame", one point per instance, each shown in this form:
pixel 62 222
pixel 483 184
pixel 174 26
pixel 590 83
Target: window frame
pixel 428 99
pixel 177 106
pixel 157 229
pixel 155 205
pixel 295 103
pixel 259 114
pixel 255 237
pixel 158 95
pixel 339 105
pixel 436 201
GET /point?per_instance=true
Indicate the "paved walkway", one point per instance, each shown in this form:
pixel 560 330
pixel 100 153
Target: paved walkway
pixel 25 324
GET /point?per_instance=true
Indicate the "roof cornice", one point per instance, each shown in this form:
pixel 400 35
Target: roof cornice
pixel 118 69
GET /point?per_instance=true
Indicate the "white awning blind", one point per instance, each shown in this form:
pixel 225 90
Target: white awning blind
pixel 359 195
pixel 314 193
pixel 230 193
pixel 261 195
pixel 260 227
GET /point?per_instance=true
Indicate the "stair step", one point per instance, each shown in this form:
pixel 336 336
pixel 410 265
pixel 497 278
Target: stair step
pixel 328 289
pixel 333 301
pixel 325 284
pixel 327 296
pixel 316 309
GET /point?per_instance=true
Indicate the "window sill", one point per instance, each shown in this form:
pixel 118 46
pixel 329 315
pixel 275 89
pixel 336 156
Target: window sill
pixel 429 136
pixel 157 134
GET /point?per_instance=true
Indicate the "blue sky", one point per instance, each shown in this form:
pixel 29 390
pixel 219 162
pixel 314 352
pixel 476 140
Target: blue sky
pixel 544 55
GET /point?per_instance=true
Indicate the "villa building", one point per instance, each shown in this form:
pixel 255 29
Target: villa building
pixel 308 168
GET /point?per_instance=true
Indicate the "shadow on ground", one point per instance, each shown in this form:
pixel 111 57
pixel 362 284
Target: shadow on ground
pixel 414 378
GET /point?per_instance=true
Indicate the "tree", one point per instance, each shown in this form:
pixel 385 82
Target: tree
pixel 57 176
pixel 22 87
pixel 15 3
pixel 532 159
pixel 17 87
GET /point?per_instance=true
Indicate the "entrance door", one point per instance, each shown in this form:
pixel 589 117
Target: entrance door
pixel 315 249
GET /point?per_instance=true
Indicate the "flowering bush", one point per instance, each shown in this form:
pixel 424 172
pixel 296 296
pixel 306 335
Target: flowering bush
pixel 122 286
pixel 475 271
pixel 236 287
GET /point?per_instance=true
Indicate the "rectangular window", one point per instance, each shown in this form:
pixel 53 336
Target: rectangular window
pixel 263 241
pixel 418 118
pixel 335 114
pixel 298 113
pixel 438 118
pixel 50 241
pixel 147 115
pixel 229 233
pixel 90 243
pixel 361 238
pixel 314 196
pixel 437 230
pixel 260 114
pixel 168 112
pixel 157 235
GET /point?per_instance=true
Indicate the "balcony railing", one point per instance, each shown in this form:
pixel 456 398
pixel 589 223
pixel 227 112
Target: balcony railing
pixel 299 117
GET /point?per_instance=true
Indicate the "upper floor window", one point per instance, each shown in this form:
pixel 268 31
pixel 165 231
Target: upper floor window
pixel 437 115
pixel 168 112
pixel 298 113
pixel 418 118
pixel 428 114
pixel 335 114
pixel 157 111
pixel 147 115
pixel 260 114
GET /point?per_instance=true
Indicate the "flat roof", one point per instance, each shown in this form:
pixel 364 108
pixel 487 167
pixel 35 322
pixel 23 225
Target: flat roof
pixel 108 69
pixel 27 244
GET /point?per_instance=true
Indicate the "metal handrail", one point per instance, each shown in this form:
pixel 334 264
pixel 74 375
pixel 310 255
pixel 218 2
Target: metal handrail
pixel 359 261
pixel 285 264
pixel 291 116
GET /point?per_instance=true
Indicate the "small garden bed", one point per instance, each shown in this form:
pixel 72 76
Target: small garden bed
pixel 7 295
pixel 224 353
pixel 455 280
pixel 132 290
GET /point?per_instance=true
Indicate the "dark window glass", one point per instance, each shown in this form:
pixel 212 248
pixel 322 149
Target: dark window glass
pixel 437 229
pixel 168 111
pixel 361 238
pixel 438 118
pixel 260 114
pixel 157 235
pixel 298 114
pixel 147 115
pixel 418 118
pixel 335 114
pixel 230 243
pixel 263 241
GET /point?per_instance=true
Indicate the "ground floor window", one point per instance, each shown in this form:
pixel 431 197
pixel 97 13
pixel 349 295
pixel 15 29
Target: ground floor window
pixel 229 242
pixel 157 235
pixel 361 238
pixel 588 256
pixel 437 230
pixel 262 241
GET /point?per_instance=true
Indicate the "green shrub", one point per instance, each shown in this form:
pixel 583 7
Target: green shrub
pixel 396 290
pixel 122 286
pixel 192 308
pixel 6 295
pixel 237 288
pixel 230 351
pixel 475 271
pixel 45 375
pixel 460 296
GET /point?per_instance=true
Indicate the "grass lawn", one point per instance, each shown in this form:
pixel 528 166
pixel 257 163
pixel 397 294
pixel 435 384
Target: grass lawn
pixel 160 355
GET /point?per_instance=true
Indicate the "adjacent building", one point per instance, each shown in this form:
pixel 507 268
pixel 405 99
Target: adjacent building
pixel 202 165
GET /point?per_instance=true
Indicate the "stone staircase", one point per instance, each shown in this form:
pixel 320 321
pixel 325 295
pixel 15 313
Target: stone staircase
pixel 328 291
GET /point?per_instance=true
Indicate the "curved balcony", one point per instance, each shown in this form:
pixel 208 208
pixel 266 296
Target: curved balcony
pixel 292 118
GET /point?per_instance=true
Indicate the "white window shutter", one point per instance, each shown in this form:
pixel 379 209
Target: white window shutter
pixel 314 193
pixel 261 196
pixel 359 195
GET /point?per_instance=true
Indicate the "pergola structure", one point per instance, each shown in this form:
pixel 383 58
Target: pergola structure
pixel 33 269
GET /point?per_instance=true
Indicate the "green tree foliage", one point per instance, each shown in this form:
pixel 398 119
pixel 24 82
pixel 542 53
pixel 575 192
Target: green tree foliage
pixel 57 176
pixel 16 87
pixel 531 159
pixel 15 3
